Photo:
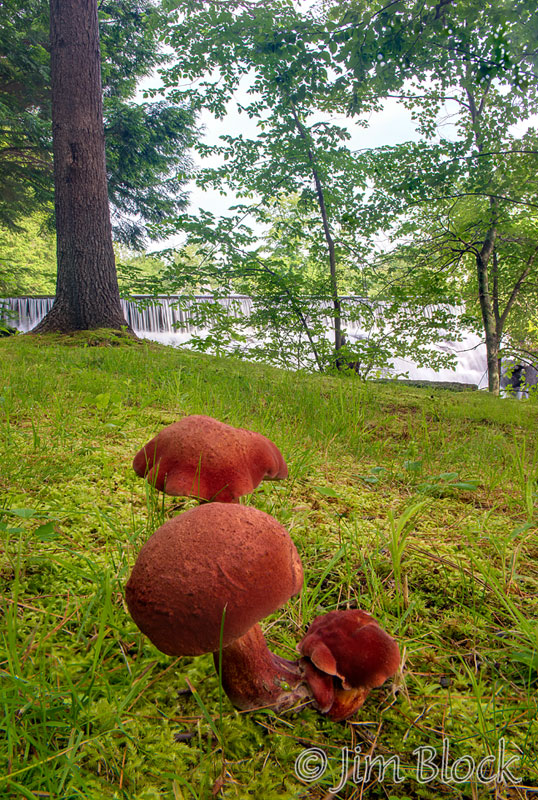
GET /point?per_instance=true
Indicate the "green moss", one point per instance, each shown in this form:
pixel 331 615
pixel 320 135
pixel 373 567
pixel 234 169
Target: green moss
pixel 92 710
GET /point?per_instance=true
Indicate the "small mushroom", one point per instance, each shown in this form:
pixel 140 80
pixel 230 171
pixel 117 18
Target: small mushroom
pixel 204 458
pixel 345 655
pixel 204 580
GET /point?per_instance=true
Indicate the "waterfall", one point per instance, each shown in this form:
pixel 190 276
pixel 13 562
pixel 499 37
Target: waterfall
pixel 169 320
pixel 150 317
pixel 24 313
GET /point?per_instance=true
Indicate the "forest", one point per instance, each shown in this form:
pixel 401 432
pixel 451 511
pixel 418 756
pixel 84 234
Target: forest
pixel 308 215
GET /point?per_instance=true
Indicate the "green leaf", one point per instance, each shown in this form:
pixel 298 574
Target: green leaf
pixel 102 400
pixel 25 513
pixel 326 491
pixel 413 466
pixel 527 657
pixel 527 526
pixel 46 532
pixel 4 527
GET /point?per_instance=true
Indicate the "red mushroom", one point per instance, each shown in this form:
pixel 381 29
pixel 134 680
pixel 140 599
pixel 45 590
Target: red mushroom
pixel 345 655
pixel 218 569
pixel 207 577
pixel 204 458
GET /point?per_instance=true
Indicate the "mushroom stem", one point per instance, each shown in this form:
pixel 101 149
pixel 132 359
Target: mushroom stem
pixel 253 677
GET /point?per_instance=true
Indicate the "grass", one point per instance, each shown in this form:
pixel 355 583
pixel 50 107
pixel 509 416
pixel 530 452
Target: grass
pixel 418 505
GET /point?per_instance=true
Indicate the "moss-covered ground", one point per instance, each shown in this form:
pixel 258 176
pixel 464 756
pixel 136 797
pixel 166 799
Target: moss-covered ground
pixel 418 505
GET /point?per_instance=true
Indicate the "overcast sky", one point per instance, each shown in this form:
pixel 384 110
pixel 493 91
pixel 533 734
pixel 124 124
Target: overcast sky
pixel 390 126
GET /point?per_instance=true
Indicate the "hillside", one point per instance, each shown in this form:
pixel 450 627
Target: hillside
pixel 418 505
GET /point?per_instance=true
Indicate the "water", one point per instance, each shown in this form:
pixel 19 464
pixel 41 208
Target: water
pixel 159 323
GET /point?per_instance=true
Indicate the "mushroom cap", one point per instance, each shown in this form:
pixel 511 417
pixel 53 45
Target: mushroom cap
pixel 214 559
pixel 351 646
pixel 202 457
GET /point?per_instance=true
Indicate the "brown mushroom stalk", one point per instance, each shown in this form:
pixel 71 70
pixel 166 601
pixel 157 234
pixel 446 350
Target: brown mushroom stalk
pixel 253 677
pixel 207 577
pixel 204 580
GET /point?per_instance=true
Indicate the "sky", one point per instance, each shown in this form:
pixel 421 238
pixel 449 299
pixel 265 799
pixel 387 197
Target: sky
pixel 388 127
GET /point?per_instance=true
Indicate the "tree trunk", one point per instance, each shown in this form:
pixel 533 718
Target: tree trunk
pixel 337 306
pixel 486 307
pixel 488 304
pixel 87 294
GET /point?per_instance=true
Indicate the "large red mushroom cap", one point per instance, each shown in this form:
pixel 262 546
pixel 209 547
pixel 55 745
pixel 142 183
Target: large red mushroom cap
pixel 345 654
pixel 212 560
pixel 204 579
pixel 204 458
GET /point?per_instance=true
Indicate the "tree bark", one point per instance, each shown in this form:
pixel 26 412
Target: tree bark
pixel 488 297
pixel 337 306
pixel 486 306
pixel 87 294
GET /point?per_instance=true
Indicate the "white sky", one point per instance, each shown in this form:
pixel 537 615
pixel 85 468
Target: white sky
pixel 388 127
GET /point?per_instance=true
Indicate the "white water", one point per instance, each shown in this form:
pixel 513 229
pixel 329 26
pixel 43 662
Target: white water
pixel 159 323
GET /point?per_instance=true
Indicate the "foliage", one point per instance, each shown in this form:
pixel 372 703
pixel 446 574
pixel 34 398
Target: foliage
pixel 24 133
pixel 282 56
pixel 288 313
pixel 466 199
pixel 459 205
pixel 297 69
pixel 28 263
pixel 28 258
pixel 147 165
